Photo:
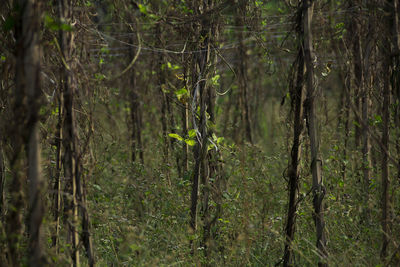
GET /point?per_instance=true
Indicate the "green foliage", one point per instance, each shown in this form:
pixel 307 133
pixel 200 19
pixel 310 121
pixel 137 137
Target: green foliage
pixel 55 25
pixel 140 212
pixel 182 94
pixel 176 136
pixel 189 141
pixel 215 79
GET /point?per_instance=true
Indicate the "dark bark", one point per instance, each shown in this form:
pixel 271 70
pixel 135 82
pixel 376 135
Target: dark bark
pixel 69 141
pixel 241 71
pixel 136 120
pixel 135 113
pixel 57 177
pixel 2 184
pixel 357 73
pixel 31 32
pixel 86 226
pixel 385 167
pixel 204 97
pixel 24 138
pixel 388 49
pixel 312 125
pixel 293 173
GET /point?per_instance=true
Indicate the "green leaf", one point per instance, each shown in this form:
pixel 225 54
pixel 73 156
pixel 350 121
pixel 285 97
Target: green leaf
pixel 214 137
pixel 190 142
pixel 215 79
pixel 192 133
pixel 181 92
pixel 55 111
pixel 339 25
pixel 176 136
pixel 143 9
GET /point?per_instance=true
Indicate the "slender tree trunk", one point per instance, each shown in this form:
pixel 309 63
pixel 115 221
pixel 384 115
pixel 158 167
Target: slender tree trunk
pixel 2 184
pixel 367 83
pixel 385 167
pixel 346 132
pixel 389 49
pixel 294 168
pixel 312 123
pixel 366 149
pixel 357 73
pixel 213 168
pixel 36 211
pixel 135 114
pixel 137 149
pixel 70 171
pixel 69 131
pixel 200 149
pixel 161 79
pixel 57 183
pixel 86 227
pixel 31 31
pixel 24 137
pixel 395 79
pixel 16 204
pixel 3 246
pixel 58 143
pixel 185 125
pixel 241 71
pixel 201 95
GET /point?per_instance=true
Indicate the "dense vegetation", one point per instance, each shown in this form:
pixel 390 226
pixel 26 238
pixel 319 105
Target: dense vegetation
pixel 190 133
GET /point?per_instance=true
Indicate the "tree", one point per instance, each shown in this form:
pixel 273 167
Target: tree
pixel 297 96
pixel 312 125
pixel 69 144
pixel 27 102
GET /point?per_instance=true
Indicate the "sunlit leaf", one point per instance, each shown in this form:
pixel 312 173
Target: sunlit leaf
pixel 176 136
pixel 192 133
pixel 190 142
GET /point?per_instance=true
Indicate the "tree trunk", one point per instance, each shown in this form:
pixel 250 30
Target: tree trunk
pixel 24 137
pixel 69 138
pixel 312 123
pixel 2 184
pixel 241 70
pixel 135 114
pixel 201 94
pixel 137 149
pixel 395 79
pixel 385 151
pixel 357 73
pixel 367 83
pixel 57 183
pixel 294 168
pixel 86 226
pixel 31 31
pixel 389 49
